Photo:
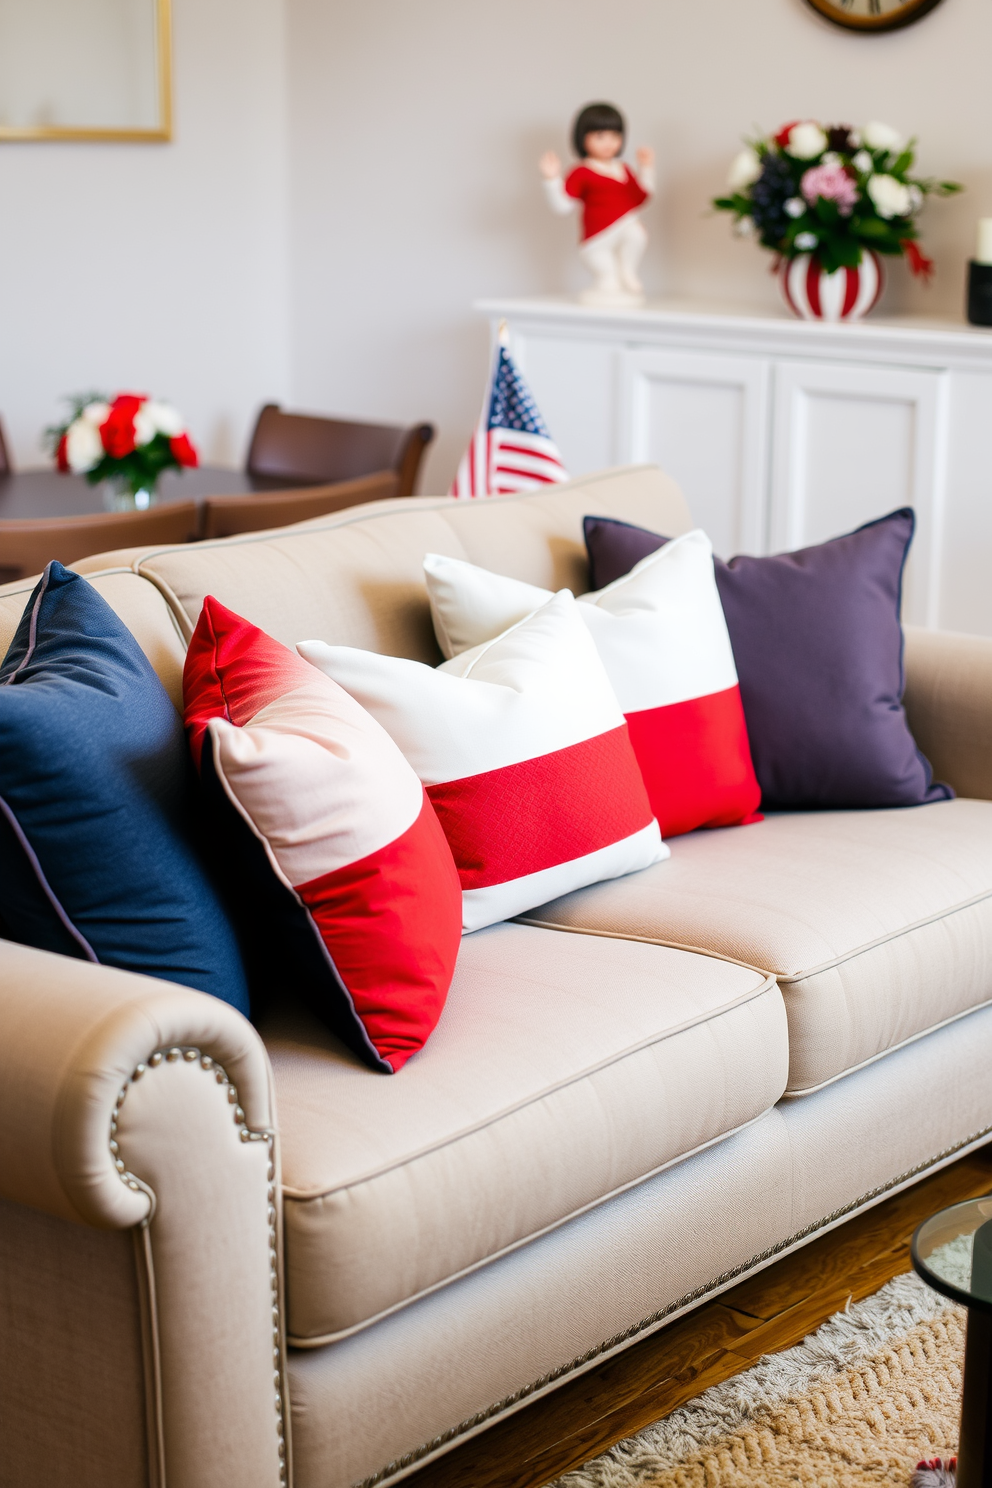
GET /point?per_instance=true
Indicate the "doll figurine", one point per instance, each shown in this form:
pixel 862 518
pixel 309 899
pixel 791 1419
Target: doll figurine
pixel 613 236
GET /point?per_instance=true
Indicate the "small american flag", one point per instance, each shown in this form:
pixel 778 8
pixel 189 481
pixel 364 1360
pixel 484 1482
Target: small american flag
pixel 511 449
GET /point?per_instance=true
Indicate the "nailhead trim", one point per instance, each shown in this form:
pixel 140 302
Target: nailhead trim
pixel 629 1334
pixel 130 1180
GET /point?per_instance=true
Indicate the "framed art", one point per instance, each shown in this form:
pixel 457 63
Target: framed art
pixel 85 70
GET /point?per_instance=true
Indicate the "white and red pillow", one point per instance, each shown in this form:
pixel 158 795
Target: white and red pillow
pixel 525 755
pixel 341 867
pixel 662 637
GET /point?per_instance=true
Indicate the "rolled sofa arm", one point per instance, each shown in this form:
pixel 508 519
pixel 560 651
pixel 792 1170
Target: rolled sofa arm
pixel 129 1102
pixel 949 706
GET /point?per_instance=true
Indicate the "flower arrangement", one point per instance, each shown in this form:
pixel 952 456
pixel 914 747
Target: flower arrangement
pixel 128 441
pixel 835 192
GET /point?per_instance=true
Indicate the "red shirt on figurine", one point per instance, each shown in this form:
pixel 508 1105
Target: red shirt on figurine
pixel 604 200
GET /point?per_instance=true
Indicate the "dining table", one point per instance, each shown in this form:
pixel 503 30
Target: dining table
pixel 32 494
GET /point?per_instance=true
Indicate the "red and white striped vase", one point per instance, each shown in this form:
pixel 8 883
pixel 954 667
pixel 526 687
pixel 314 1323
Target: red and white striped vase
pixel 847 294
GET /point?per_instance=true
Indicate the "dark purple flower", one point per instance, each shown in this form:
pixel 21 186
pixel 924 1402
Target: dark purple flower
pixel 839 139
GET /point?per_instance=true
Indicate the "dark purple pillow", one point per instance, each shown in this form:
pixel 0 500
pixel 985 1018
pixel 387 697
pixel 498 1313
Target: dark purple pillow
pixel 818 647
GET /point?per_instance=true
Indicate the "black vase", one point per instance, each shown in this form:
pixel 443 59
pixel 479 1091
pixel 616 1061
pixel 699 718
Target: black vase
pixel 980 293
pixel 981 1256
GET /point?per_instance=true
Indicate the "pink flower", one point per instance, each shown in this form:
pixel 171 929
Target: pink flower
pixel 832 183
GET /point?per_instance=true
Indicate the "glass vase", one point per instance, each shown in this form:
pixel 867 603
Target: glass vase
pixel 118 497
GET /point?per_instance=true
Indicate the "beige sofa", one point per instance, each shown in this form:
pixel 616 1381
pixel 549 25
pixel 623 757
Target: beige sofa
pixel 238 1257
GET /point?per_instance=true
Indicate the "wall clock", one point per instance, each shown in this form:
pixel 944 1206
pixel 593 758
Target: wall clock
pixel 873 15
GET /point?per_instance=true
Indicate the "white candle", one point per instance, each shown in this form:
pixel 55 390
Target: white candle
pixel 984 254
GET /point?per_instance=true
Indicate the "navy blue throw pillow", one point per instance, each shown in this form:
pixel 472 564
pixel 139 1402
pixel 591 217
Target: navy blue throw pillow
pixel 97 854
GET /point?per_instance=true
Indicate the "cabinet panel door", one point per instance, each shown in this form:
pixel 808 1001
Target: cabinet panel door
pixel 852 442
pixel 574 386
pixel 704 419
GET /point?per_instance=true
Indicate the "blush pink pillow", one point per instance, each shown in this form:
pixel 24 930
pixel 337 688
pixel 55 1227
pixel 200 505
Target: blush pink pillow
pixel 334 852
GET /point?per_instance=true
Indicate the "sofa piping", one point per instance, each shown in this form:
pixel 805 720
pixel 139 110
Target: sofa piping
pixel 787 981
pixel 192 1055
pixel 322 1340
pixel 784 978
pixel 370 511
pixel 914 1038
pixel 650 1041
pixel 611 1345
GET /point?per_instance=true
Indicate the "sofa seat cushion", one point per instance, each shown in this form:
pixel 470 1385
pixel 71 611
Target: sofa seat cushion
pixel 563 1070
pixel 877 924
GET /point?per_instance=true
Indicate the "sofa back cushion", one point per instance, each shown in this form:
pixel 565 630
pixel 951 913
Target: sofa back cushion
pixel 143 609
pixel 355 578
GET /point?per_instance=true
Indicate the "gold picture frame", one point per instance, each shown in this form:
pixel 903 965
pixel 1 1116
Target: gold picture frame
pixel 160 132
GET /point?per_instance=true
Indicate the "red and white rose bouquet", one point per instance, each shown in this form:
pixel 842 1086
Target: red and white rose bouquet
pixel 127 441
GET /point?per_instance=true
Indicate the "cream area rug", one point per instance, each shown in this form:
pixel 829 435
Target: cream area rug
pixel 872 1397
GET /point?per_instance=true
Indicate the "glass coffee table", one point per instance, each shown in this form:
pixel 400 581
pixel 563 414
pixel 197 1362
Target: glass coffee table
pixel 952 1252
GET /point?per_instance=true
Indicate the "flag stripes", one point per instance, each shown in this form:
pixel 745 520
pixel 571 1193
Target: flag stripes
pixel 511 449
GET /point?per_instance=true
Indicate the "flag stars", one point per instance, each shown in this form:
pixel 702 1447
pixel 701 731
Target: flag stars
pixel 512 406
pixel 511 449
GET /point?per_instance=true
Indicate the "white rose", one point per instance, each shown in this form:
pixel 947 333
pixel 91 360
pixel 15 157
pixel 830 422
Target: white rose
pixel 745 169
pixel 144 426
pixel 806 141
pixel 167 419
pixel 156 418
pixel 806 241
pixel 95 413
pixel 863 162
pixel 831 158
pixel 83 445
pixel 880 136
pixel 795 206
pixel 891 197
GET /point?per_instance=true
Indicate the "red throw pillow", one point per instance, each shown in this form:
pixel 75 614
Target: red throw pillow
pixel 332 846
pixel 662 637
pixel 525 754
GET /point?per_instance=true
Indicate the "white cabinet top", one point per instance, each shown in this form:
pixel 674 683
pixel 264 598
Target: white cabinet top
pixel 922 340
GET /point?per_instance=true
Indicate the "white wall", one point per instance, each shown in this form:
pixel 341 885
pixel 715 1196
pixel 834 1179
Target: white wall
pixel 414 129
pixel 160 268
pixel 374 161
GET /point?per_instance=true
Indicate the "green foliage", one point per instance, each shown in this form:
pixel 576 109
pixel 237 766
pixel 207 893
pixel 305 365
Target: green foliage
pixel 838 234
pixel 138 471
pixel 77 402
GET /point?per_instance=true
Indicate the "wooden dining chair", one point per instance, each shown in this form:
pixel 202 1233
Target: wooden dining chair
pixel 295 449
pixel 223 516
pixel 26 546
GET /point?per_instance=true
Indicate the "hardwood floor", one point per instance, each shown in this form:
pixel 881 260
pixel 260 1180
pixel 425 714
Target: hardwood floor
pixel 772 1310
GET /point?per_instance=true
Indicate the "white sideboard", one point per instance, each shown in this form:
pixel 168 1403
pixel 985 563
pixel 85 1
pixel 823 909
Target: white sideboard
pixel 784 432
